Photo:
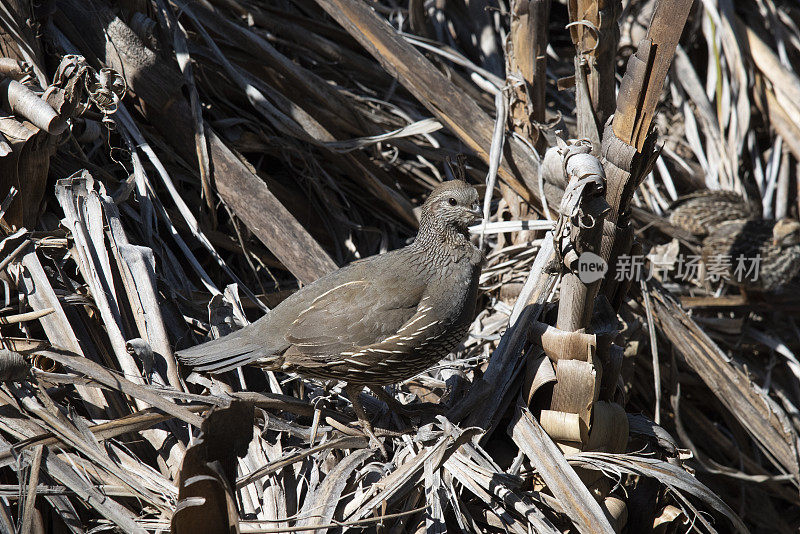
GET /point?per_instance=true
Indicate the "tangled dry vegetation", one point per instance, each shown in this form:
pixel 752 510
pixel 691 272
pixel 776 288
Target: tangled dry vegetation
pixel 170 170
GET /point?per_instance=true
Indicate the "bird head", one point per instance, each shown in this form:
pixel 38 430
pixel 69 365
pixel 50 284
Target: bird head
pixel 453 203
pixel 786 233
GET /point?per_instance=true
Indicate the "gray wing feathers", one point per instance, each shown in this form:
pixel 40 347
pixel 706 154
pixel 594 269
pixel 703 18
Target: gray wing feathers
pixel 354 314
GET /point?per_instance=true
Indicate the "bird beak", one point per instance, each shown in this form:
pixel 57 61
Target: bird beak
pixel 476 213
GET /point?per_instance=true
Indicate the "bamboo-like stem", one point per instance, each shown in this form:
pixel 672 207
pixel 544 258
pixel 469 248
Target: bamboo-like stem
pixel 595 33
pixel 527 58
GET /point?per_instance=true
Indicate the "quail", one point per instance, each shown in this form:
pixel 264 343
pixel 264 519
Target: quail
pixel 376 321
pixel 773 246
pixel 701 212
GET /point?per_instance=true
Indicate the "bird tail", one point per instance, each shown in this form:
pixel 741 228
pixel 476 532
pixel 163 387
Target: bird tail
pixel 227 353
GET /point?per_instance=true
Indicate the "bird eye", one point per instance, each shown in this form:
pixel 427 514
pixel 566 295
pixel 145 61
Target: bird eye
pixel 452 201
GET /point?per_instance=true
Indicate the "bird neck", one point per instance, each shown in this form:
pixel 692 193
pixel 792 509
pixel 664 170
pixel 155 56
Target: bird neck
pixel 436 235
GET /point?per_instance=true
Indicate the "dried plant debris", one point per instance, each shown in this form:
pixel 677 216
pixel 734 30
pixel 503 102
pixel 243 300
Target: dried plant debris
pixel 206 500
pixel 170 171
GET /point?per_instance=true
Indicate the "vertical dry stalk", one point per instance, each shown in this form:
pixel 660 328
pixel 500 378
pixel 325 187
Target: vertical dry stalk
pixel 581 227
pixel 526 55
pixel 575 420
pixel 578 373
pixel 527 59
pixel 595 33
pixel 629 153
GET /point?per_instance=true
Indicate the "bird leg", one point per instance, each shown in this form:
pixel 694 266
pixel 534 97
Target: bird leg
pixel 353 392
pixel 404 409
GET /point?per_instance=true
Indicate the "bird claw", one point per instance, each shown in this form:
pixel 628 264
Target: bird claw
pixel 374 442
pixel 366 427
pixel 377 445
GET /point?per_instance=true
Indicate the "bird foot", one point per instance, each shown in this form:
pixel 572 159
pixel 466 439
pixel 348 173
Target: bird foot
pixel 366 427
pixel 374 442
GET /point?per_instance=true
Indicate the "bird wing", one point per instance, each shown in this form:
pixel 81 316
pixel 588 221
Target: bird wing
pixel 387 359
pixel 356 313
